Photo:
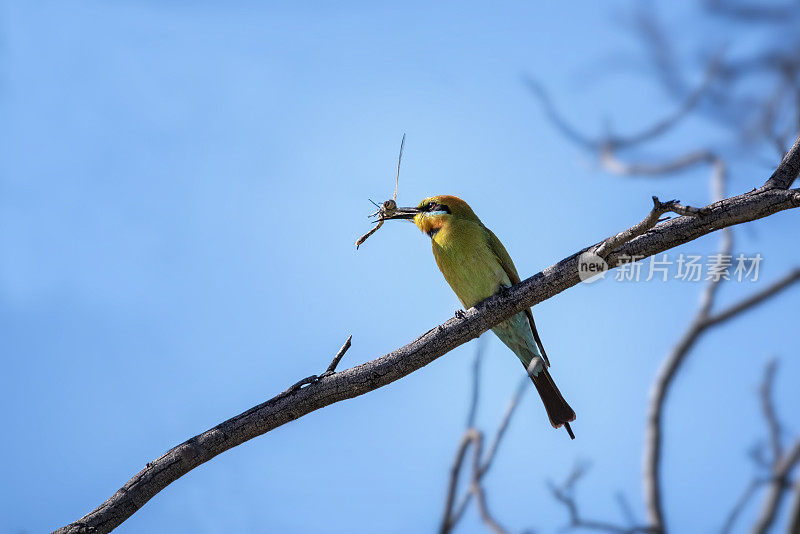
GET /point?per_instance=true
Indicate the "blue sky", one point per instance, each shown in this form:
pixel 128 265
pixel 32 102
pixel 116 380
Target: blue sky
pixel 181 185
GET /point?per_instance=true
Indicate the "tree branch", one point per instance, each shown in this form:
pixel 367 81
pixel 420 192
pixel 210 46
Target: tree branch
pixel 781 465
pixel 659 208
pixel 738 507
pixel 776 470
pixel 786 173
pixel 480 467
pixel 565 495
pixel 654 433
pixel 778 485
pixel 794 514
pixel 293 404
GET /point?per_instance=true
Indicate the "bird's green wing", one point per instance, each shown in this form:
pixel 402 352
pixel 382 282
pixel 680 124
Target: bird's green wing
pixel 508 266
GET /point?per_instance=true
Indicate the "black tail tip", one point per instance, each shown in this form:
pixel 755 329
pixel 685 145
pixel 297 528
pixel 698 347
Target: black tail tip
pixel 569 431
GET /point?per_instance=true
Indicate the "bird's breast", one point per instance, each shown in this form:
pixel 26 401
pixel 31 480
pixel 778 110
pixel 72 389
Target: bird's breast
pixel 468 263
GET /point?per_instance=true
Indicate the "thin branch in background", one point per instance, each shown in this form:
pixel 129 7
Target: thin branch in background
pixel 778 480
pixel 476 489
pixel 606 147
pixel 659 47
pixel 778 489
pixel 702 322
pixel 774 473
pixel 476 385
pixel 768 408
pixel 448 519
pixel 557 119
pixel 756 298
pixel 625 508
pixel 664 125
pixel 511 408
pixel 612 163
pixel 480 463
pixel 740 504
pixel 565 494
pixel 754 11
pixel 794 513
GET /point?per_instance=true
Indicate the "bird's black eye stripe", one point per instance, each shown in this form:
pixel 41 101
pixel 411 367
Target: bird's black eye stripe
pixel 433 206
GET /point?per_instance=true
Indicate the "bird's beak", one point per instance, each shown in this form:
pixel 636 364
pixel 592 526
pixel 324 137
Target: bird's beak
pixel 403 213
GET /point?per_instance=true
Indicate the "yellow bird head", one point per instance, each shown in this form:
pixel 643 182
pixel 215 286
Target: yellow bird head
pixel 434 213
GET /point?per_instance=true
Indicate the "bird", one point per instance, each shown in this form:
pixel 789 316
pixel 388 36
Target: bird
pixel 476 265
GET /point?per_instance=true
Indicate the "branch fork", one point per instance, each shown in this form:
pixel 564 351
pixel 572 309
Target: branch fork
pixel 612 243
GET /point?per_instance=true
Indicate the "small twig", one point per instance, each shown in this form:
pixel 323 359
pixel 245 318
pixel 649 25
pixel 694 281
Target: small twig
pixel 659 208
pixel 339 355
pixel 477 490
pixel 625 508
pixel 738 507
pixel 476 369
pixel 316 378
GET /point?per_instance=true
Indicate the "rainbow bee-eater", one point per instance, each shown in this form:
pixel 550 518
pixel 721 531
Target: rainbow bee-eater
pixel 476 265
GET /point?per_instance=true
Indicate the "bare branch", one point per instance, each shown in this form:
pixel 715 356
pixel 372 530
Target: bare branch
pixel 780 468
pixel 607 146
pixel 557 119
pixel 470 437
pixel 774 465
pixel 480 466
pixel 654 433
pixel 565 494
pixel 777 490
pixel 522 387
pixel 768 408
pixel 753 12
pixel 775 287
pixel 737 508
pixel 476 385
pixel 361 379
pixel 794 514
pixel 339 356
pixel 659 208
pixel 613 164
pixel 477 490
pixel 786 173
